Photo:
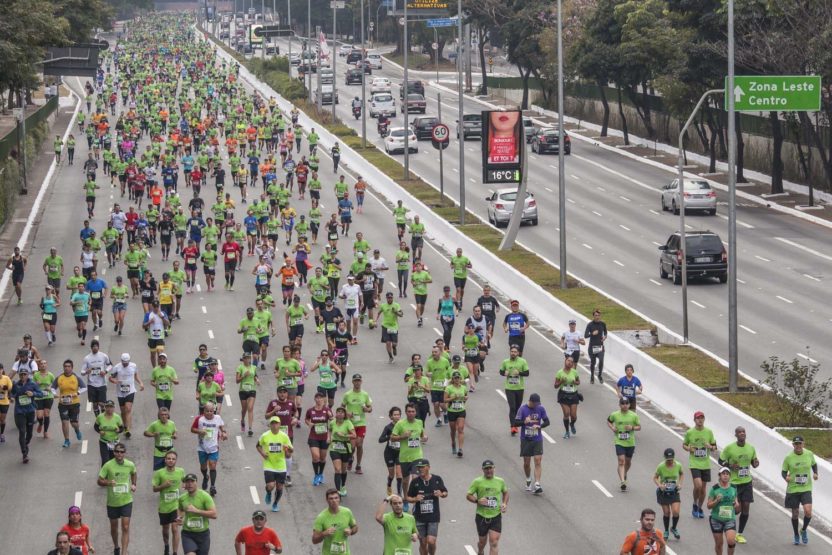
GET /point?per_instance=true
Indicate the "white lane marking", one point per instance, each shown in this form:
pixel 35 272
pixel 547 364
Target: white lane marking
pixel 84 447
pixel 204 310
pixel 597 213
pixel 198 288
pixel 104 271
pixel 813 278
pixel 654 212
pixel 413 306
pixel 601 189
pixel 240 445
pixel 89 406
pixel 587 246
pixel 548 438
pixel 219 364
pixel 624 227
pixel 391 286
pixel 763 258
pixel 749 330
pixel 554 167
pixel 439 333
pixel 622 197
pixel 570 200
pixel 501 394
pixel 255 497
pixel 810 359
pixel 469 549
pixel 784 299
pixel 79 496
pixel 743 224
pixel 602 488
pixel 740 281
pixel 210 334
pixel 573 176
pixel 472 180
pixel 804 248
pixel 619 263
pixel 657 243
pixel 655 282
pixel 455 169
pixel 548 189
pixel 700 305
pixel 309 306
pixel 616 173
pixel 227 400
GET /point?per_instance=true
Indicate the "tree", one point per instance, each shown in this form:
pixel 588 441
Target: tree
pixel 84 16
pixel 523 32
pixel 799 388
pixel 484 15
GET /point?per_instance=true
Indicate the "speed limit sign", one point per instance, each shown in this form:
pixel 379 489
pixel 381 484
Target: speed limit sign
pixel 440 136
pixel 435 46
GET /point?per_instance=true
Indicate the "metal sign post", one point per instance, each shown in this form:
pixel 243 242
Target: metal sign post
pixel 320 90
pixel 363 83
pixel 406 113
pixel 441 161
pixel 460 112
pixel 519 204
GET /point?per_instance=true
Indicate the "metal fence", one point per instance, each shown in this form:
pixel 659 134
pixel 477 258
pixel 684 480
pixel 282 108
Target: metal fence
pixel 9 141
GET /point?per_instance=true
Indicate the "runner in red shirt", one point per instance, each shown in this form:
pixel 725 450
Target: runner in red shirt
pixel 317 419
pixel 258 539
pixel 191 255
pixel 79 533
pixel 131 218
pixel 231 253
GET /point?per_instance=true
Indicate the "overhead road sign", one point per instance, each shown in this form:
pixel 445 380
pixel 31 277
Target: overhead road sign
pixel 442 22
pixel 781 93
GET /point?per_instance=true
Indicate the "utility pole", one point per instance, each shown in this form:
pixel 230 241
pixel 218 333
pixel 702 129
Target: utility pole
pixel 561 158
pixel 460 112
pixel 289 24
pixel 334 57
pixel 309 38
pixel 363 83
pixel 406 46
pixel 733 348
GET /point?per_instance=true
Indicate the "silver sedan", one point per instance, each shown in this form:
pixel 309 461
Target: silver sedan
pixel 698 196
pixel 501 204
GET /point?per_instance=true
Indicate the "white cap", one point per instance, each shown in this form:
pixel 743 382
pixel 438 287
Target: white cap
pixel 163 355
pixel 125 357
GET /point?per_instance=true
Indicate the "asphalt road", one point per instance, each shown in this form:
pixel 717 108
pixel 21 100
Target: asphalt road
pixel 581 509
pixel 615 225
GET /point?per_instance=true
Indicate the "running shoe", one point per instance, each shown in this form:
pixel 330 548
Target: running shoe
pixel 268 497
pixel 538 489
pixel 741 539
pixel 438 423
pixel 212 491
pixel 529 484
pixel 566 435
pixel 623 486
pixel 78 435
pixel 572 427
pixel 666 535
pixel 796 539
pixel 804 535
pixel 276 507
pixel 675 533
pixel 66 443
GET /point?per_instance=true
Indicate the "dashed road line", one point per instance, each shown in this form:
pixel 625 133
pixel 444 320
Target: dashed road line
pixel 587 246
pixel 84 446
pixel 618 263
pixel 204 309
pixel 211 334
pixel 501 394
pixel 653 281
pixel 622 197
pixel 602 488
pixel 700 305
pixel 240 445
pixel 749 330
pixel 255 497
pixel 79 497
pixel 763 258
pixel 804 248
pixel 784 299
pixel 813 278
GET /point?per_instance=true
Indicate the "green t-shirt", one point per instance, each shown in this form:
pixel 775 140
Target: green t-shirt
pixel 201 500
pixel 491 489
pixel 120 293
pixel 340 433
pixel 133 259
pixel 178 278
pixel 118 495
pixel 338 543
pixel 265 317
pixel 739 460
pixel 248 373
pixel 275 447
pixel 456 397
pixel 251 329
pixel 327 376
pixel 73 281
pixel 420 281
pixel 209 258
pixel 398 532
pixel 400 213
pixel 723 511
pixel 512 370
pixel 163 378
pixel 361 246
pixel 701 441
pixel 296 314
pixel 410 449
pixel 164 442
pixel 417 230
pixel 799 468
pixel 108 427
pixel 283 368
pixel 211 232
pixel 319 286
pixel 471 345
pixel 669 476
pixel 169 497
pixel 568 380
pixel 417 389
pixel 402 260
pixel 460 266
pixel 354 402
pixel 390 316
pixel 54 266
pixel 208 394
pixel 109 236
pixel 619 419
pixel 439 372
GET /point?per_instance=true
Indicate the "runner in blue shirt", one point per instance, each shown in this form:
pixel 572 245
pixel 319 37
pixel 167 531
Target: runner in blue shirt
pixel 97 288
pixel 532 418
pixel 516 323
pixel 345 210
pixel 629 386
pixel 24 392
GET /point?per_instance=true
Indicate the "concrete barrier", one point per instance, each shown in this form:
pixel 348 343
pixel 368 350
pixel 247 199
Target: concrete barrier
pixel 670 391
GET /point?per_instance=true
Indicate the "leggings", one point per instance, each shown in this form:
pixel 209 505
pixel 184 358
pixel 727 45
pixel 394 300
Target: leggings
pixel 333 287
pixel 105 452
pixel 402 274
pixel 302 269
pixel 592 358
pixel 515 400
pixel 25 424
pixel 447 328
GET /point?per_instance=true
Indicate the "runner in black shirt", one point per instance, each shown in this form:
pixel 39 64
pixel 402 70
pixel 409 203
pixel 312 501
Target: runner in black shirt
pixel 490 306
pixel 341 340
pixel 596 332
pixel 331 315
pixel 425 492
pixel 165 236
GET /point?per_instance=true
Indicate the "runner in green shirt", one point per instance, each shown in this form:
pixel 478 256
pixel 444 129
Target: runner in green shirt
pixel 109 426
pixel 420 280
pixel 723 504
pixel 700 442
pixel 196 507
pixel 668 479
pixel 410 431
pixel 358 404
pixel 460 265
pixel 342 433
pixel 248 381
pixel 318 286
pixel 208 390
pixel 163 378
pixel 334 526
pixel 163 432
pixel 119 477
pixel 799 471
pixel 624 423
pixel 390 313
pixel 438 369
pixel 167 482
pixel 274 446
pixel 456 395
pixel 400 215
pixel 287 370
pixel 399 527
pixel 741 457
pixel 53 267
pixel 490 494
pixel 209 263
pixel 515 369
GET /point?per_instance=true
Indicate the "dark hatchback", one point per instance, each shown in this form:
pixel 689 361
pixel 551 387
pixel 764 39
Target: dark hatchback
pixel 546 140
pixel 354 76
pixel 423 127
pixel 706 257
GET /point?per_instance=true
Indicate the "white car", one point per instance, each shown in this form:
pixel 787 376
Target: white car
pixel 344 49
pixel 382 103
pixel 501 205
pixel 394 142
pixel 374 60
pixel 294 59
pixel 380 84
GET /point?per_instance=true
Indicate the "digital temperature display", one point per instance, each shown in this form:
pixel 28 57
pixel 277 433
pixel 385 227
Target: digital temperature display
pixel 502 176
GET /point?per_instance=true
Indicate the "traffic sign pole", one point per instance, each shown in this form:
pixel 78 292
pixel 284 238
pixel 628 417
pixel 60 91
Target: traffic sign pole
pixel 733 348
pixel 441 163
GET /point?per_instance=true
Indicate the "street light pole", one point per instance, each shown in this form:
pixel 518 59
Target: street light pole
pixel 363 83
pixel 309 38
pixel 334 56
pixel 289 24
pixel 406 46
pixel 460 112
pixel 561 158
pixel 733 351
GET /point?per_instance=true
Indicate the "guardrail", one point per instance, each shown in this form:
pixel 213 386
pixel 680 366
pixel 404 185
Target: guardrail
pixel 668 390
pixel 9 140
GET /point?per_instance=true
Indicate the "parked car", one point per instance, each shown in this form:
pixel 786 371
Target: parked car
pixel 546 140
pixel 528 129
pixel 394 142
pixel 415 103
pixel 382 103
pixel 380 84
pixel 412 87
pixel 354 76
pixel 375 60
pixel 705 254
pixel 423 127
pixel 698 196
pixel 501 205
pixel 471 126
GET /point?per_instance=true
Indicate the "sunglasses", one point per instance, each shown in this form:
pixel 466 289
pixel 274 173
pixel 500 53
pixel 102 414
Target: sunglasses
pixel 119 452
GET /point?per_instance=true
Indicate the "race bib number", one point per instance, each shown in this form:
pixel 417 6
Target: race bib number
pixel 801 479
pixel 231 255
pixel 744 472
pixel 426 506
pixel 24 400
pixel 209 433
pixel 326 379
pixel 165 442
pixel 670 486
pixel 66 400
pixel 95 294
pixel 439 384
pixel 124 388
pixel 414 443
pixel 395 445
pixel 276 447
pixel 289 382
pixel 246 387
pixel 120 488
pixel 531 431
pixel 320 429
pixel 628 391
pixel 726 512
pixel 164 386
pixel 351 303
pixel 356 417
pixel 338 547
pixel 569 389
pixel 597 349
pixel 47 316
pixel 2 395
pixel 194 522
pixel 338 446
pixel 623 436
pixel 170 496
pixel 155 334
pixel 513 380
pixel 700 452
pixel 491 502
pixel 190 260
pixel 296 321
pixel 457 405
pixel 330 326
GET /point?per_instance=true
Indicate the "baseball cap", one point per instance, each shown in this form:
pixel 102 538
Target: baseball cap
pixel 160 355
pixel 698 414
pixel 797 439
pixel 282 388
pixel 23 370
pixel 350 276
pixel 258 514
pixel 534 397
pixel 389 294
pixel 488 463
pixel 623 401
pixel 109 403
pixel 514 301
pixel 669 453
pixel 125 357
pixel 274 419
pixel 421 462
pixel 572 322
pixel 356 377
pixel 189 477
pixel 456 358
pixel 456 375
pixel 724 469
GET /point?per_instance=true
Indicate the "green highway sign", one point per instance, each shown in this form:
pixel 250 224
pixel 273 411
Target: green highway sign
pixel 782 93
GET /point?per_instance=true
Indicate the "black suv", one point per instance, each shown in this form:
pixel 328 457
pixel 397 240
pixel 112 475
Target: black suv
pixel 354 76
pixel 354 56
pixel 706 257
pixel 423 127
pixel 412 87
